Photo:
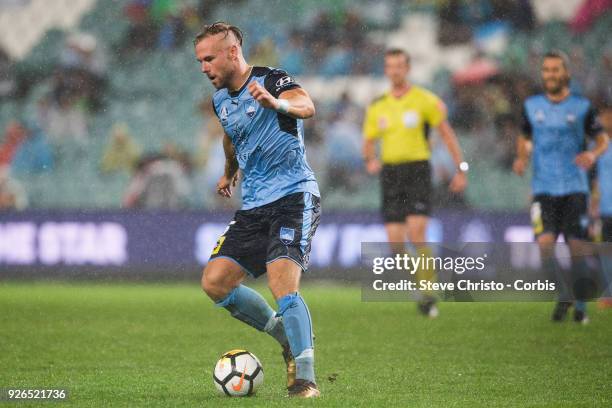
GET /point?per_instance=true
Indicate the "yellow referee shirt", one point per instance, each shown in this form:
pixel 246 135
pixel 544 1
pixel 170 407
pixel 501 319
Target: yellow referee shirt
pixel 402 124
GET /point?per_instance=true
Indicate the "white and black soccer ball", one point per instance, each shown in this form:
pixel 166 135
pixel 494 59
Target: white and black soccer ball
pixel 238 373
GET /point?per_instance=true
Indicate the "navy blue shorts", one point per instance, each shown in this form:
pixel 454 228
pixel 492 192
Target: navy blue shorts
pixel 567 215
pixel 261 235
pixel 606 229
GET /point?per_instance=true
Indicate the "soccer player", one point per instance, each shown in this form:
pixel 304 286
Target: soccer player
pixel 555 126
pixel 401 119
pixel 602 202
pixel 261 110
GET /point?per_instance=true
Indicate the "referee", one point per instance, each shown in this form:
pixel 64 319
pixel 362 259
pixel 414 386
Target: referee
pixel 402 118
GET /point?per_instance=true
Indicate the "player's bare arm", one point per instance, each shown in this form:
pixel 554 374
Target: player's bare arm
pixel 587 159
pixel 230 176
pixel 523 152
pixel 294 102
pixel 459 181
pixel 594 207
pixel 372 163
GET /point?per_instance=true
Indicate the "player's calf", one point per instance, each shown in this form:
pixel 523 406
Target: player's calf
pixel 283 279
pixel 221 281
pixel 298 327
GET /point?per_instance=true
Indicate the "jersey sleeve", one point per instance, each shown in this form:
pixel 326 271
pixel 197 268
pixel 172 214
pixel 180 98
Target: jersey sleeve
pixel 278 81
pixel 370 124
pixel 435 111
pixel 592 126
pixel 214 107
pixel 526 124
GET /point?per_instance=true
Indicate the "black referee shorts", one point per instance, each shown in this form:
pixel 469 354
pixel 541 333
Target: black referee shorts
pixel 406 190
pixel 261 235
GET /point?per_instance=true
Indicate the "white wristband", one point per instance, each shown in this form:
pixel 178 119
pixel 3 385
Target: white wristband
pixel 283 106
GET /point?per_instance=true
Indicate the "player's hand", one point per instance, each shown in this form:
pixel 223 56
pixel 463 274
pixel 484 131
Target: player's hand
pixel 519 166
pixel 261 95
pixel 585 160
pixel 225 185
pixel 458 183
pixel 373 166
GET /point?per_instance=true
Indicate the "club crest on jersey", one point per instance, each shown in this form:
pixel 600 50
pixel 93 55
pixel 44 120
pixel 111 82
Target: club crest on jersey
pixel 287 235
pixel 539 116
pixel 250 108
pixel 571 118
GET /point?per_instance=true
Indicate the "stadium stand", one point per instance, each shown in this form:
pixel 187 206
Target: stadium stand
pixel 150 82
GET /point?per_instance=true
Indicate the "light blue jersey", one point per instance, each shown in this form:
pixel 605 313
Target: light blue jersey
pixel 604 175
pixel 559 132
pixel 269 145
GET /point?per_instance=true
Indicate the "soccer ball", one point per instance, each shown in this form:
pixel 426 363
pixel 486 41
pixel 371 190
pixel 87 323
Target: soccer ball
pixel 238 373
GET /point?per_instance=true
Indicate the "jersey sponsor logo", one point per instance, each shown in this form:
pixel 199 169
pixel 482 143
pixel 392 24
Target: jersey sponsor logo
pixel 287 235
pixel 283 82
pixel 240 136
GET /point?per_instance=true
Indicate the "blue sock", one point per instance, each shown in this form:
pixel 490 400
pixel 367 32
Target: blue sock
pixel 298 327
pixel 250 307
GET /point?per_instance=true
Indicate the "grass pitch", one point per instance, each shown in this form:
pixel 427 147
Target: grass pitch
pixel 156 344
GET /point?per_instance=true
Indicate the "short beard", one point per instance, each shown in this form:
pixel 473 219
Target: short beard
pixel 559 88
pixel 226 80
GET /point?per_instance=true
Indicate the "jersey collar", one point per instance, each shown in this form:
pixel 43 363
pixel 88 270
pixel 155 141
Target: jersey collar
pixel 239 91
pixel 399 98
pixel 569 95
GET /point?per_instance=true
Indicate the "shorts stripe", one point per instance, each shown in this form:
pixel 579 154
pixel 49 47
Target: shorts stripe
pixel 298 263
pixel 307 222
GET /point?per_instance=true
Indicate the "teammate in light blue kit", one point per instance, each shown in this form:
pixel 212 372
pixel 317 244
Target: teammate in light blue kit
pixel 555 126
pixel 261 110
pixel 602 202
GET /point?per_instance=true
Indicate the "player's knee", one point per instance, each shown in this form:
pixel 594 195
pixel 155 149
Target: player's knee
pixel 214 285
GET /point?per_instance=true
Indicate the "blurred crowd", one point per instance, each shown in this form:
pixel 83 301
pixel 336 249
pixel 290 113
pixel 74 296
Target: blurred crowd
pixel 484 98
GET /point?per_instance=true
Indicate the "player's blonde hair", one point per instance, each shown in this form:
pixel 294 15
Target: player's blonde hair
pixel 218 28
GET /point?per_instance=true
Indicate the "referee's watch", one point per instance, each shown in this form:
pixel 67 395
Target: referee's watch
pixel 463 167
